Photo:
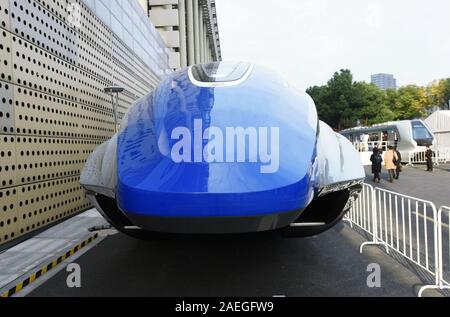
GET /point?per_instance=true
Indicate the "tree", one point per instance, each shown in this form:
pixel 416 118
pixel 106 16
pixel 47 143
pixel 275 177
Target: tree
pixel 332 100
pixel 371 102
pixel 439 93
pixel 340 91
pixel 341 103
pixel 446 92
pixel 410 102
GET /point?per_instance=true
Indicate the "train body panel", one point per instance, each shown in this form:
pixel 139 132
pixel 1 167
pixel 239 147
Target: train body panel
pixel 220 148
pixel 408 135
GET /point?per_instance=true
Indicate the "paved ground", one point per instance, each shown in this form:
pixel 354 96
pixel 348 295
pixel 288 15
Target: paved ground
pixel 256 265
pixel 20 261
pixel 416 182
pixel 435 187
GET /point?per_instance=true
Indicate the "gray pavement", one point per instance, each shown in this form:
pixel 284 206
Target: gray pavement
pixel 254 265
pixel 417 182
pixel 20 261
pixel 432 186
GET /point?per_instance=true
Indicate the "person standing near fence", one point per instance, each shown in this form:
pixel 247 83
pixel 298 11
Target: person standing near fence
pixel 390 157
pixel 376 160
pixel 398 163
pixel 429 157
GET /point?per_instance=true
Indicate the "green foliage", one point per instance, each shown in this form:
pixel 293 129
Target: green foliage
pixel 332 100
pixel 370 104
pixel 439 93
pixel 342 103
pixel 409 102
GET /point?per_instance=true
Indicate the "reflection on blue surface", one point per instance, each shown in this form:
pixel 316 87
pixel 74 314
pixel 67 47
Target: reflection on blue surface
pixel 151 183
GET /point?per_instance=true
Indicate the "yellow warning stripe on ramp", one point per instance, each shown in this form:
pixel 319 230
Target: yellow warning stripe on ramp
pixel 33 277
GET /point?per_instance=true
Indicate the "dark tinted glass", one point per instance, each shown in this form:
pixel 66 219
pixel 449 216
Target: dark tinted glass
pixel 219 72
pixel 419 131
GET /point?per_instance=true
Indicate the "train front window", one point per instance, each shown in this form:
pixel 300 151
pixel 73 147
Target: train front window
pixel 420 132
pixel 220 72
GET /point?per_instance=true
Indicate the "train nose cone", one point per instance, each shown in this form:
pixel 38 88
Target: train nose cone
pixel 217 140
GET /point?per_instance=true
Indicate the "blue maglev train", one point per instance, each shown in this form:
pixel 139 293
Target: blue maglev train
pixel 224 148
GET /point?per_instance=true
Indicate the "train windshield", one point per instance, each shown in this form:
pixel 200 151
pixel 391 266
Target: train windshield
pixel 420 132
pixel 220 72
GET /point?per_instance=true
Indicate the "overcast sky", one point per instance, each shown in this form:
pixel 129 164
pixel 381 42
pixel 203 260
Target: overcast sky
pixel 308 40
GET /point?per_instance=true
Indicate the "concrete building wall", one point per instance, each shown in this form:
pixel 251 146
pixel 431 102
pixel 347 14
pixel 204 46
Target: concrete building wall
pixel 189 27
pixel 53 111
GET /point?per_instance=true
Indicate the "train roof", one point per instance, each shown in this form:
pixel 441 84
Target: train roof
pixel 377 127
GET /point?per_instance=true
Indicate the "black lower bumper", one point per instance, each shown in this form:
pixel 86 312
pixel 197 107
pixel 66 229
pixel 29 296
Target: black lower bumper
pixel 215 225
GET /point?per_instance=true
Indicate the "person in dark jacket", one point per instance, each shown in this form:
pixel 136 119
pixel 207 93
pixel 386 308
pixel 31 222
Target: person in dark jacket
pixel 398 162
pixel 429 157
pixel 377 161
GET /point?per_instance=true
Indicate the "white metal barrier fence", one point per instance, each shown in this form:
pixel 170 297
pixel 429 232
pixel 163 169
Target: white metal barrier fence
pixel 439 157
pixel 444 156
pixel 407 225
pixel 404 226
pixel 363 214
pixel 369 146
pixel 443 245
pixel 362 209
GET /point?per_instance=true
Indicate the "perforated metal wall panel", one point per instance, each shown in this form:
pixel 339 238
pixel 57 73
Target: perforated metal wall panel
pixel 53 111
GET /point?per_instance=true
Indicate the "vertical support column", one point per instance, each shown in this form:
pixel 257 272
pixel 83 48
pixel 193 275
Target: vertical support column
pixel 190 32
pixel 182 30
pixel 205 42
pixel 208 51
pixel 201 34
pixel 196 32
pixel 167 28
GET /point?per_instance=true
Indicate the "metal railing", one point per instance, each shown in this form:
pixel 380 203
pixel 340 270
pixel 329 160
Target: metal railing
pixel 361 212
pixel 441 156
pixel 369 146
pixel 443 244
pixel 363 215
pixel 404 226
pixel 410 226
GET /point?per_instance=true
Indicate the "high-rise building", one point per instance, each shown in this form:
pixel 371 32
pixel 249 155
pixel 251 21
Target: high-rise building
pixel 384 81
pixel 189 29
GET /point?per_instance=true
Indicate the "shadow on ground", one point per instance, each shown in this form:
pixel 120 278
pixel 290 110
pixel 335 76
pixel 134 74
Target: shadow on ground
pixel 255 265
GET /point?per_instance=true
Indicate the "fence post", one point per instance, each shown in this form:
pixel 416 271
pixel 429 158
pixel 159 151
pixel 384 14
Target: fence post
pixel 375 240
pixel 436 158
pixel 439 254
pixel 379 228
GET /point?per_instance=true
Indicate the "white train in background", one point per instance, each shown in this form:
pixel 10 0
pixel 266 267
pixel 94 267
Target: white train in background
pixel 409 136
